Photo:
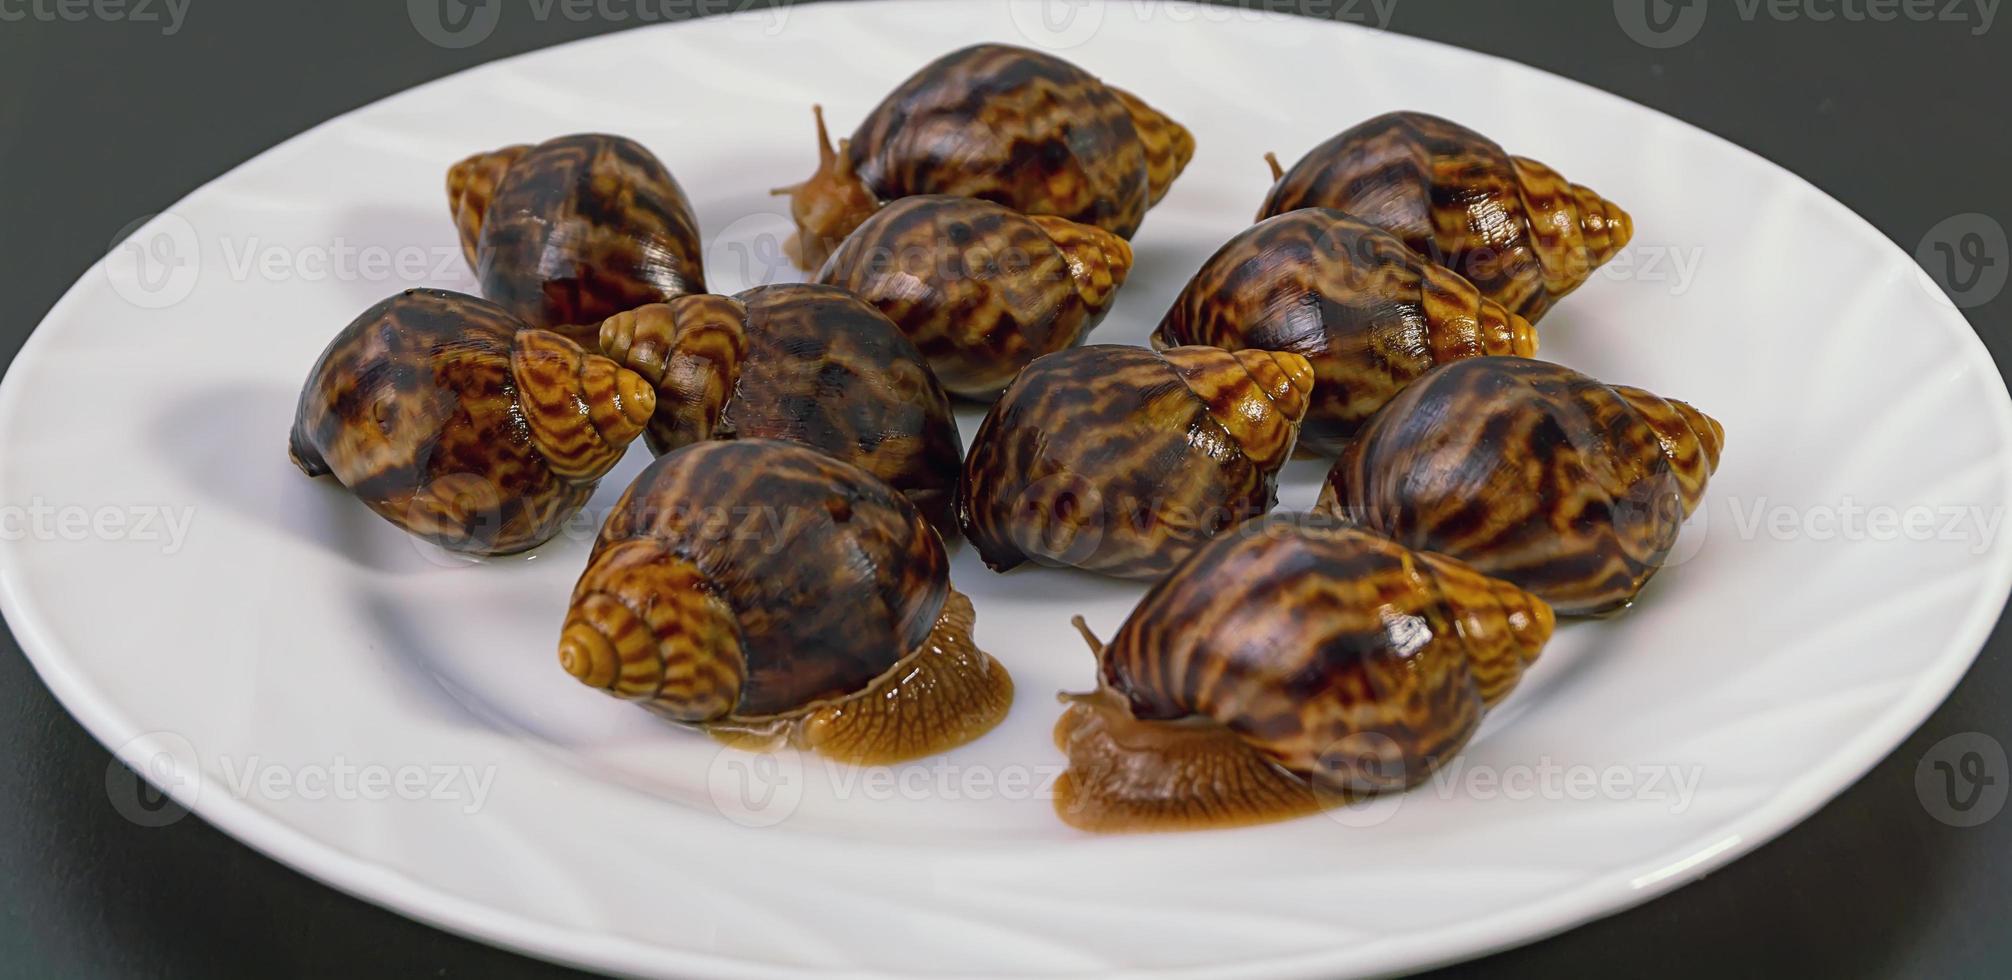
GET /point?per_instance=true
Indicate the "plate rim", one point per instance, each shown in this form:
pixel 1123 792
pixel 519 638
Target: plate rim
pixel 1598 897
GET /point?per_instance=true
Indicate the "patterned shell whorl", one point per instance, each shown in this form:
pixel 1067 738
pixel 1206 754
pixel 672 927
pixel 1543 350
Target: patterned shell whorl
pixel 1368 312
pixel 1531 472
pixel 1525 236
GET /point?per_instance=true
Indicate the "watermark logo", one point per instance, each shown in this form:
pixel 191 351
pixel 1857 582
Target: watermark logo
pixel 151 777
pixel 1964 259
pixel 155 261
pixel 1058 25
pixel 750 251
pixel 454 23
pixel 1961 780
pixel 1660 23
pixel 756 789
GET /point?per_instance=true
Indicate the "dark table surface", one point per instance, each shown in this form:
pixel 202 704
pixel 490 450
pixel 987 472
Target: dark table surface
pixel 112 111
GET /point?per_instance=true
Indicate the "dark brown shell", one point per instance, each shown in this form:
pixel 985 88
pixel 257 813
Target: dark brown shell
pixel 804 363
pixel 1347 661
pixel 575 230
pixel 980 288
pixel 1368 312
pixel 828 577
pixel 1534 473
pixel 1122 460
pixel 1018 127
pixel 768 593
pixel 1522 234
pixel 453 420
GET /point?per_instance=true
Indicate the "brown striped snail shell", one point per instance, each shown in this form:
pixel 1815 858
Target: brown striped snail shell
pixel 1368 312
pixel 767 592
pixel 1522 234
pixel 1122 460
pixel 1022 128
pixel 803 363
pixel 981 289
pixel 1534 473
pixel 575 230
pixel 1279 667
pixel 453 420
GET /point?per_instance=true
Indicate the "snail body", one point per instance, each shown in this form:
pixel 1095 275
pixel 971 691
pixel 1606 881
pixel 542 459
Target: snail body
pixel 766 593
pixel 980 288
pixel 1271 672
pixel 453 420
pixel 1121 460
pixel 1534 473
pixel 574 230
pixel 808 364
pixel 1367 311
pixel 1521 233
pixel 1006 124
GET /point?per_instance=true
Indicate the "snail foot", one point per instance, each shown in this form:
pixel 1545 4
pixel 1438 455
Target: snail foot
pixel 943 694
pixel 1130 775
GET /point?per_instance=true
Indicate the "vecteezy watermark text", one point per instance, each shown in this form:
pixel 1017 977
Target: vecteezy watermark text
pixel 168 13
pixel 465 23
pixel 1669 23
pixel 153 779
pixel 39 520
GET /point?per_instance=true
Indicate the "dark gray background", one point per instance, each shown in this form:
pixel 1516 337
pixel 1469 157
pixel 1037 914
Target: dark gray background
pixel 105 120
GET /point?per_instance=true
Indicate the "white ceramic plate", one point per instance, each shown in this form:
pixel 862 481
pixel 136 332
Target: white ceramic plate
pixel 392 721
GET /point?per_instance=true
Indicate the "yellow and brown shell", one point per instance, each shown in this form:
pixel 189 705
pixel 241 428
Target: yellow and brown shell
pixel 1006 124
pixel 1280 666
pixel 574 230
pixel 453 420
pixel 1516 229
pixel 1531 472
pixel 768 592
pixel 1122 460
pixel 980 288
pixel 803 363
pixel 1369 313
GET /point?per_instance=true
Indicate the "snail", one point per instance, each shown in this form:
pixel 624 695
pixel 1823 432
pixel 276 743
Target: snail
pixel 575 230
pixel 453 420
pixel 1522 234
pixel 981 289
pixel 804 363
pixel 1006 124
pixel 770 594
pixel 1122 460
pixel 1368 312
pixel 1531 472
pixel 1278 671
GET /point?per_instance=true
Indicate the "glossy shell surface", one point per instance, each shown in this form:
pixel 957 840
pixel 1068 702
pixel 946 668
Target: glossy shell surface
pixel 1367 311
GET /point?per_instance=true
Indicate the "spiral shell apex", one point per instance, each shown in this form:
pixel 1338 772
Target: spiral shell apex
pixel 769 593
pixel 453 420
pixel 1121 460
pixel 981 289
pixel 1534 473
pixel 1524 235
pixel 1369 313
pixel 1271 672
